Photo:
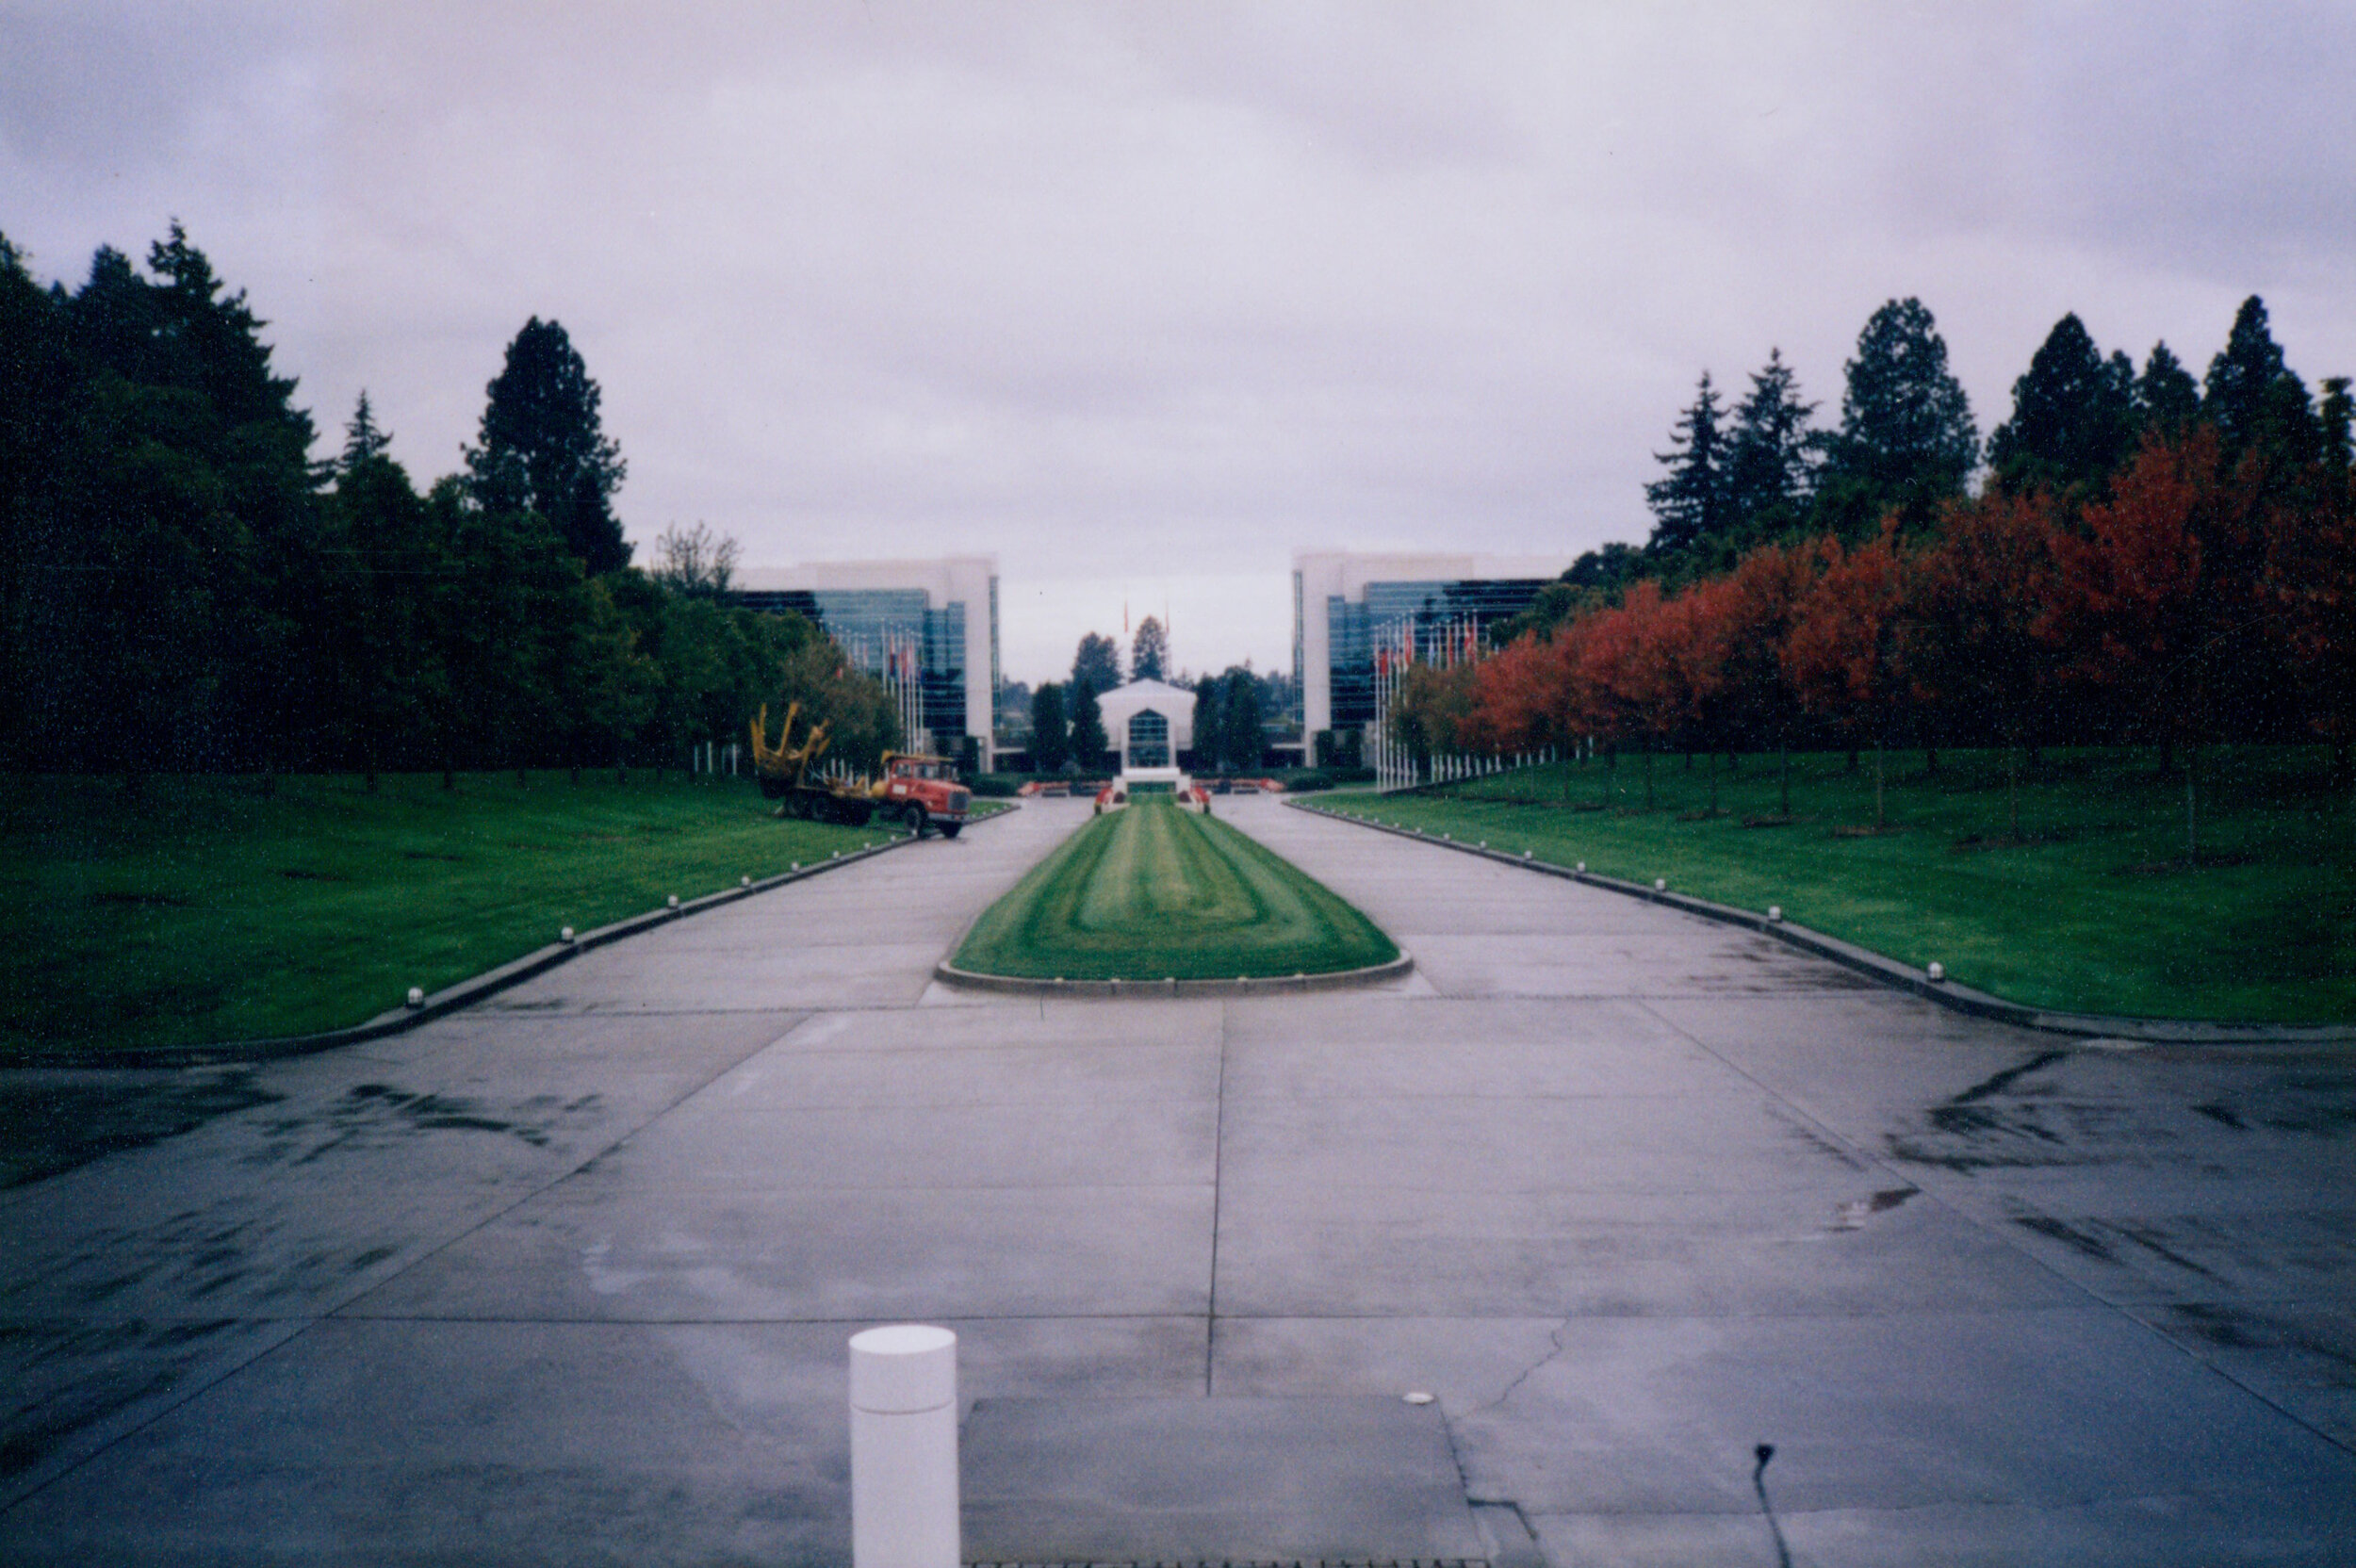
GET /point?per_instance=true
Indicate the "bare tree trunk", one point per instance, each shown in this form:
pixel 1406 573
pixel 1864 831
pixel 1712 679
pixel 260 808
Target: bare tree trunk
pixel 1879 818
pixel 2192 836
pixel 1648 775
pixel 1783 751
pixel 2012 793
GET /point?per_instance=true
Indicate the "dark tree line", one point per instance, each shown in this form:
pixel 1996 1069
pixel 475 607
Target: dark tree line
pixel 183 587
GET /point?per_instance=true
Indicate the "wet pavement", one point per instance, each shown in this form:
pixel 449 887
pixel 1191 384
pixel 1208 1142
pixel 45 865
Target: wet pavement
pixel 566 1278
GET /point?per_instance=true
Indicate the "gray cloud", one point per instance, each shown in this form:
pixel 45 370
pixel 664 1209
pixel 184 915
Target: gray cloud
pixel 1150 294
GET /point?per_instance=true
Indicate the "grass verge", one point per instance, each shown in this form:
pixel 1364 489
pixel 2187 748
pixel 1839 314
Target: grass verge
pixel 2092 908
pixel 1154 892
pixel 210 911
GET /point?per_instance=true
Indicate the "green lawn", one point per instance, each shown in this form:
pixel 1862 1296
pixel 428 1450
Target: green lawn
pixel 1153 892
pixel 211 911
pixel 2095 908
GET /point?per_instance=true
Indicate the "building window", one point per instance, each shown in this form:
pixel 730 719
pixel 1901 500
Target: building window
pixel 1149 741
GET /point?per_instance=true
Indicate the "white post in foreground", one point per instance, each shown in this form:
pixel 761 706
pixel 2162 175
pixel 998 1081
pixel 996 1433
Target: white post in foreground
pixel 904 1447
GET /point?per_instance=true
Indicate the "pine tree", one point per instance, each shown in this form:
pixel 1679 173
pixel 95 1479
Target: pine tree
pixel 1241 719
pixel 1096 665
pixel 1689 506
pixel 2255 400
pixel 363 438
pixel 2168 399
pixel 2072 415
pixel 540 447
pixel 1149 652
pixel 1089 742
pixel 1906 440
pixel 1051 729
pixel 1771 459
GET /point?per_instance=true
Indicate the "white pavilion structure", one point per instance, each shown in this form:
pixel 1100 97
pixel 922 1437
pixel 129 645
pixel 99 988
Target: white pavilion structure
pixel 1149 723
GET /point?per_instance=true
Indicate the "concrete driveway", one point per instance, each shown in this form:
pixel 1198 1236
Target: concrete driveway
pixel 567 1279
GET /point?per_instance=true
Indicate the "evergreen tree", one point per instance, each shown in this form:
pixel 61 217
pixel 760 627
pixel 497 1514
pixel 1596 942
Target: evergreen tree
pixel 1771 459
pixel 187 512
pixel 542 449
pixel 1210 725
pixel 1096 665
pixel 2072 415
pixel 2253 398
pixel 1050 730
pixel 1089 742
pixel 1907 441
pixel 2168 399
pixel 1689 506
pixel 1149 652
pixel 363 438
pixel 382 680
pixel 39 393
pixel 1241 719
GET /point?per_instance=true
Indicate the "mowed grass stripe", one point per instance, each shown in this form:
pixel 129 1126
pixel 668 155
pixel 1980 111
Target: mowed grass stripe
pixel 1154 892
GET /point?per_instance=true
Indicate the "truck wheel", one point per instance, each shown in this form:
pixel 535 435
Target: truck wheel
pixel 914 817
pixel 949 829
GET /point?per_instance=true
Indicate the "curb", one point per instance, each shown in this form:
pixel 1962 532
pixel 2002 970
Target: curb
pixel 1243 984
pixel 1889 972
pixel 451 999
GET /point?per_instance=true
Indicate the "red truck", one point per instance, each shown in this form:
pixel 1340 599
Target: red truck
pixel 922 792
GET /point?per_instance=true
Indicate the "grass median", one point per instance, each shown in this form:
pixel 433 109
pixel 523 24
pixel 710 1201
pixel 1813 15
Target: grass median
pixel 1154 892
pixel 2093 905
pixel 210 911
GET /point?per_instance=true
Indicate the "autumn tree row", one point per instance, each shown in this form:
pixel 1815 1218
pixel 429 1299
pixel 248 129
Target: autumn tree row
pixel 2209 593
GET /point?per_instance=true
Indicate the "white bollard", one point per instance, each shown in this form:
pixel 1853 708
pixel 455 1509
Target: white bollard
pixel 904 1447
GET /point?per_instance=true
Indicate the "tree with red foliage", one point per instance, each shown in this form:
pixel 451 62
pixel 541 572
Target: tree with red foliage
pixel 1524 698
pixel 1976 638
pixel 2150 600
pixel 1702 624
pixel 1843 653
pixel 1623 673
pixel 1762 598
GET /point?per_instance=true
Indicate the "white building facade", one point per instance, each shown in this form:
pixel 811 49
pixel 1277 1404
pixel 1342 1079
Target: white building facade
pixel 1149 723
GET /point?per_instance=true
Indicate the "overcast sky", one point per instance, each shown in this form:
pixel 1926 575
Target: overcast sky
pixel 1142 298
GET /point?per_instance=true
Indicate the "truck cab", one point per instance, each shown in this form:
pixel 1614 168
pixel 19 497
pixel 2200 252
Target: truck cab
pixel 922 792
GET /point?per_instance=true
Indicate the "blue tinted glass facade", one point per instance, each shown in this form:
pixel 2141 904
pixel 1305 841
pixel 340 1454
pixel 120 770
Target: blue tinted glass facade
pixel 869 623
pixel 1435 617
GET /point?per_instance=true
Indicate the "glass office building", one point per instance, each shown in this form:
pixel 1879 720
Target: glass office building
pixel 928 629
pixel 1431 609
